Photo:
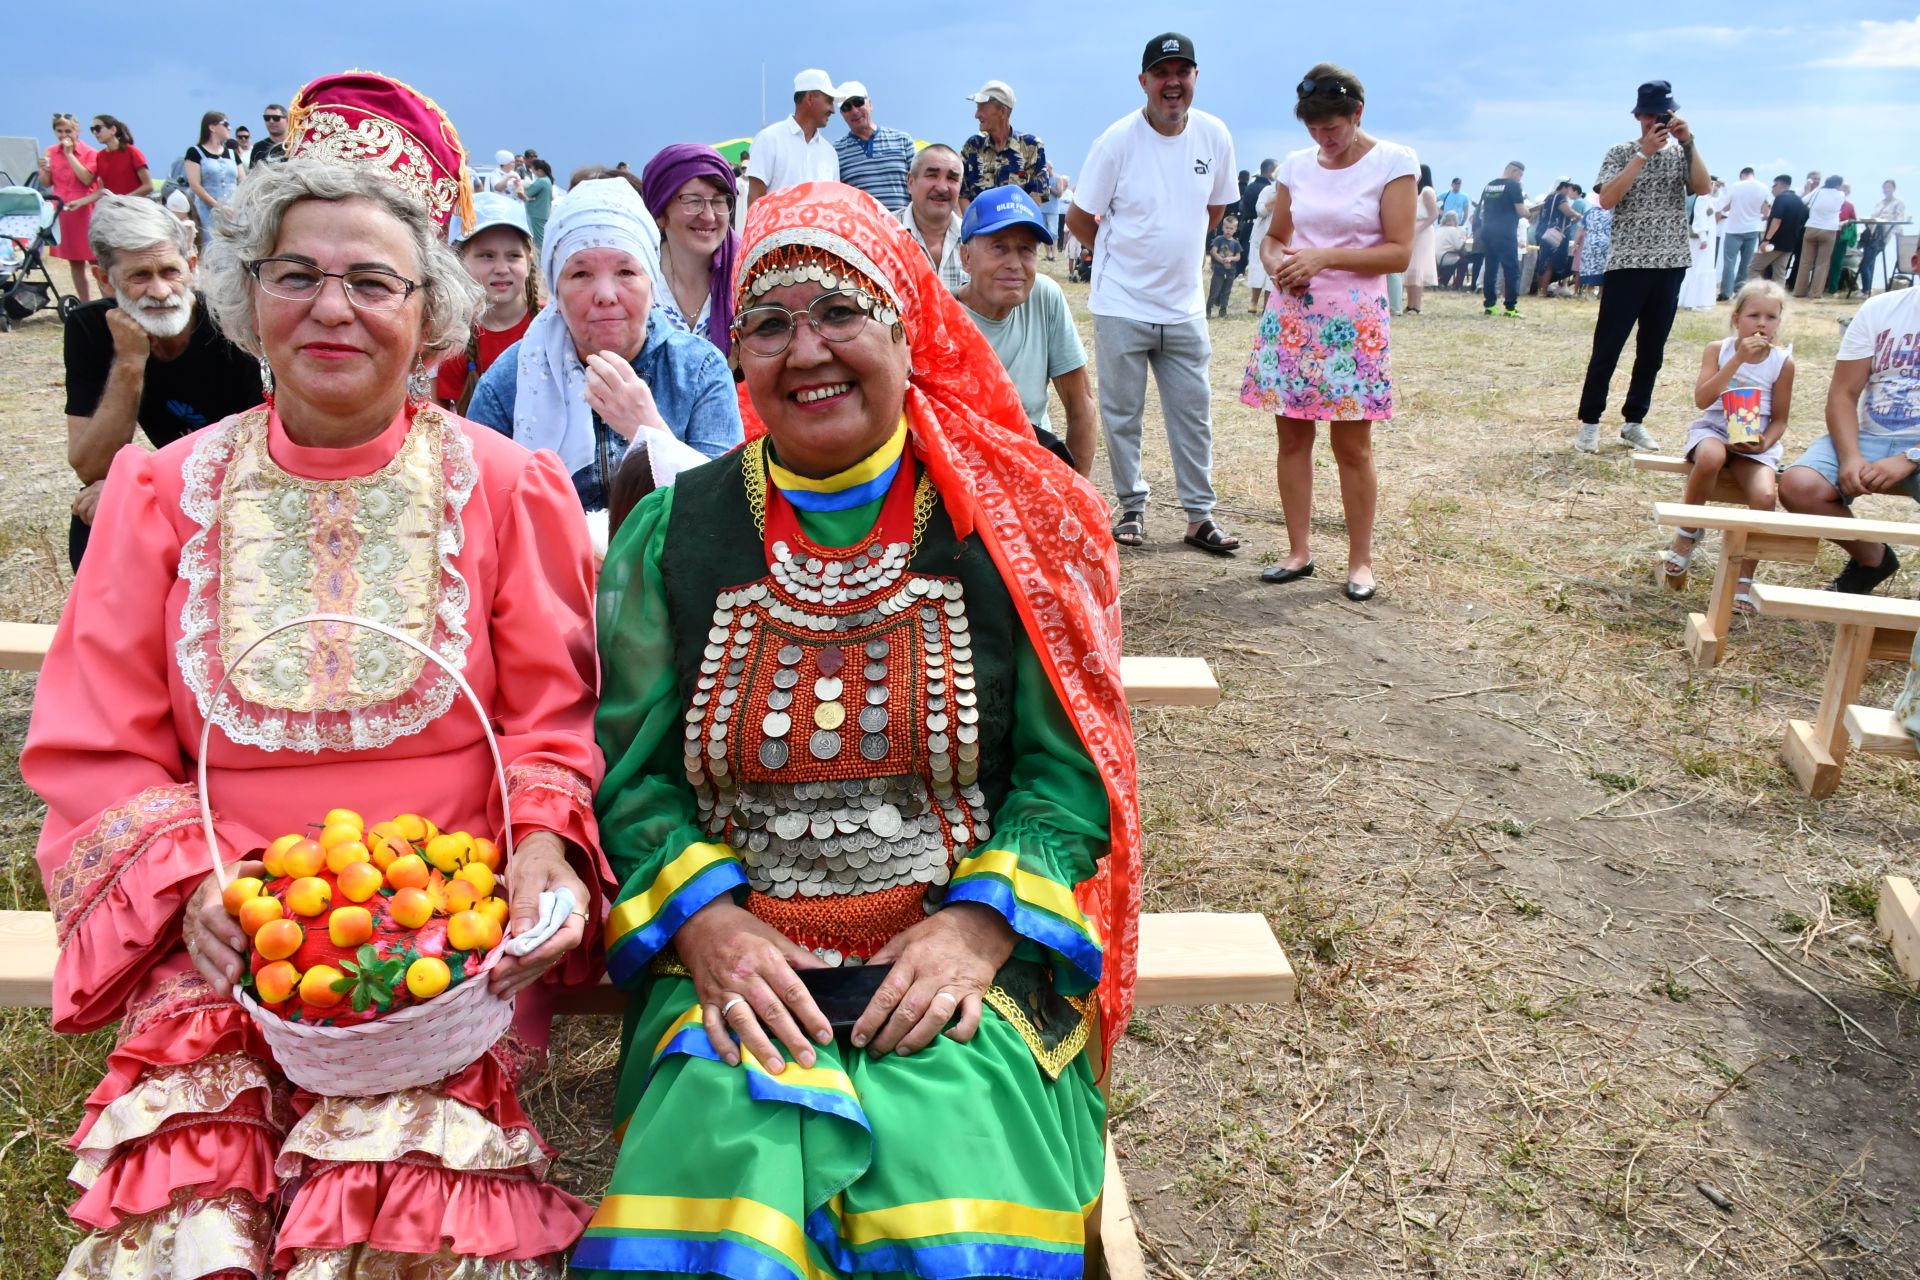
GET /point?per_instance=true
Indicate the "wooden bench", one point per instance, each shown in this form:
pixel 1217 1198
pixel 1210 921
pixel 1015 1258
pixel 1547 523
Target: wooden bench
pixel 1878 732
pixel 1865 628
pixel 1186 958
pixel 1779 536
pixel 1725 487
pixel 1899 921
pixel 1150 681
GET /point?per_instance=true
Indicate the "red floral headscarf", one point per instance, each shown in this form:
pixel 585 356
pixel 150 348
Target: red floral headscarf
pixel 1044 525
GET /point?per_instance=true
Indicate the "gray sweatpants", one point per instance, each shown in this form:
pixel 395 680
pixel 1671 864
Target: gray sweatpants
pixel 1178 355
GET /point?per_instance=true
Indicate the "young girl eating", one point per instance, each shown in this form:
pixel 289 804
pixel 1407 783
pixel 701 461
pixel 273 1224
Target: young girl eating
pixel 1745 391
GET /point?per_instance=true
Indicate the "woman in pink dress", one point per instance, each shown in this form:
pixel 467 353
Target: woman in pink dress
pixel 69 168
pixel 348 492
pixel 1343 220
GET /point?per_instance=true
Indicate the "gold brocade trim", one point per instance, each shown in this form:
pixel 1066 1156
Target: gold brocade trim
pixel 191 1093
pixel 666 964
pixel 412 1122
pixel 363 1262
pixel 1052 1061
pixel 753 469
pixel 189 1237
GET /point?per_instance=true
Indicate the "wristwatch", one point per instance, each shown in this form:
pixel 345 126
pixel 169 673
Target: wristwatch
pixel 1912 455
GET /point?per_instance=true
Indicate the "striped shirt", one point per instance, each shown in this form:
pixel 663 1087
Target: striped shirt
pixel 878 165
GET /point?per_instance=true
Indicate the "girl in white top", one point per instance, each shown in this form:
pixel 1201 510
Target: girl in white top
pixel 1753 378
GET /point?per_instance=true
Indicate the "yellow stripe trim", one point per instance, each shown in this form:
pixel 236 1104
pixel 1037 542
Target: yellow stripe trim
pixel 1036 889
pixel 868 468
pixel 800 1077
pixel 685 1215
pixel 694 1017
pixel 636 911
pixel 910 1222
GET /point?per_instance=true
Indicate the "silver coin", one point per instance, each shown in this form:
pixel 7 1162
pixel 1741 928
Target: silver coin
pixel 845 826
pixel 877 695
pixel 718 730
pixel 884 822
pixel 821 827
pixel 701 698
pixel 967 732
pixel 714 652
pixel 857 858
pixel 937 723
pixel 963 682
pixel 877 649
pixel 950 589
pixel 937 744
pixel 936 688
pixel 873 719
pixel 716 749
pixel 775 724
pixel 779 699
pixel 874 746
pixel 969 752
pixel 961 653
pixel 747 622
pixel 789 655
pixel 785 678
pixel 717 634
pixel 962 668
pixel 968 715
pixel 729 696
pixel 790 825
pixel 824 745
pixel 827 688
pixel 954 608
pixel 936 704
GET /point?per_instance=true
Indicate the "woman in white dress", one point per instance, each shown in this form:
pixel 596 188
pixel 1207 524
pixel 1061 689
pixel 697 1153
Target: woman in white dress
pixel 1258 281
pixel 1700 289
pixel 1423 272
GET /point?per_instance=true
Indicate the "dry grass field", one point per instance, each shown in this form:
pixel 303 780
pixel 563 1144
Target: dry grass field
pixel 1588 989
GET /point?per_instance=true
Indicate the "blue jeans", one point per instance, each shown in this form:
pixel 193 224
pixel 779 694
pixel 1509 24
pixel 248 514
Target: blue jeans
pixel 1820 457
pixel 1737 256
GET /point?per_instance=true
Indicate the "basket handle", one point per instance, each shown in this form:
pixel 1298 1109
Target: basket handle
pixel 473 699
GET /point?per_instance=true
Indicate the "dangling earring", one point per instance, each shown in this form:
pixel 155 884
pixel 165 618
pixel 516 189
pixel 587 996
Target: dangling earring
pixel 899 331
pixel 266 379
pixel 419 382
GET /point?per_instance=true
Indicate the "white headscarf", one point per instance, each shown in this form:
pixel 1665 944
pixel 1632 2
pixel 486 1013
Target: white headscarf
pixel 550 395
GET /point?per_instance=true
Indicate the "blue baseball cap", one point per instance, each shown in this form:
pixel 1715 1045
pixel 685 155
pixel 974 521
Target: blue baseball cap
pixel 999 209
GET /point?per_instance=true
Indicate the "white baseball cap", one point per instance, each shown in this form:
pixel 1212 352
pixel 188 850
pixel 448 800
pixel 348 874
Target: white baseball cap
pixel 504 157
pixel 851 89
pixel 814 80
pixel 993 91
pixel 491 209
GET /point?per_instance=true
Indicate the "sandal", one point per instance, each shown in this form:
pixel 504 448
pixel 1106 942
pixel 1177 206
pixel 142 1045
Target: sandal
pixel 1131 529
pixel 1742 597
pixel 1675 564
pixel 1209 537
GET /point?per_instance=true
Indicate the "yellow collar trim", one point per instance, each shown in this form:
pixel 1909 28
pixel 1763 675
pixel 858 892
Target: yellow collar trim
pixel 864 471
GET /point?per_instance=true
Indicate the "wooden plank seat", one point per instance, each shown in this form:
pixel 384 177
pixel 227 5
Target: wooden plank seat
pixel 1725 487
pixel 1899 921
pixel 1865 628
pixel 1877 731
pixel 1151 681
pixel 1779 536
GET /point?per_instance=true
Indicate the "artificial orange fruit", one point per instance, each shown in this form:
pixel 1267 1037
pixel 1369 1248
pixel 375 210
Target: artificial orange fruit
pixel 409 872
pixel 460 896
pixel 496 910
pixel 385 842
pixel 278 939
pixel 346 854
pixel 428 976
pixel 309 896
pixel 344 818
pixel 316 986
pixel 303 858
pixel 360 881
pixel 449 852
pixel 238 890
pixel 348 927
pixel 472 931
pixel 275 855
pixel 486 853
pixel 410 907
pixel 339 834
pixel 276 981
pixel 478 876
pixel 414 827
pixel 257 911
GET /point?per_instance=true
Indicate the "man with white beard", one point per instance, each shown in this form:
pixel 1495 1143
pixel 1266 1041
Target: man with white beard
pixel 148 355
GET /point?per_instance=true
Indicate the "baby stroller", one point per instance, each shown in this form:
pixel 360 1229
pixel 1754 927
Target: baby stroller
pixel 29 226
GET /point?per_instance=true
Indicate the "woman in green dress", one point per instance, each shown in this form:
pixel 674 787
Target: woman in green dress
pixel 861 706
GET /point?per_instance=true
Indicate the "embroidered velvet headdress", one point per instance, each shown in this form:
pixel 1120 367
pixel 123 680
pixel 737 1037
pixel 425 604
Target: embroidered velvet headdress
pixel 362 117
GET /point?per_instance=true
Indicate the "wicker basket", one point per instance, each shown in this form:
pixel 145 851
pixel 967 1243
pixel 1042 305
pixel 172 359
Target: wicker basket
pixel 416 1045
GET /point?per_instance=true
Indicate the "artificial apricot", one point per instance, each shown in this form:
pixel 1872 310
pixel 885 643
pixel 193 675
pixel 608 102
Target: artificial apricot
pixel 461 896
pixel 339 834
pixel 385 843
pixel 360 881
pixel 448 852
pixel 479 877
pixel 496 910
pixel 278 939
pixel 428 976
pixel 344 818
pixel 347 854
pixel 316 986
pixel 472 931
pixel 486 853
pixel 276 981
pixel 350 926
pixel 303 857
pixel 409 872
pixel 309 896
pixel 255 912
pixel 238 890
pixel 275 855
pixel 410 907
pixel 414 827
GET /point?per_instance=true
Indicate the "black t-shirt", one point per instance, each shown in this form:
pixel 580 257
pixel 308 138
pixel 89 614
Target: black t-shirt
pixel 1497 214
pixel 1249 200
pixel 266 151
pixel 210 380
pixel 1792 212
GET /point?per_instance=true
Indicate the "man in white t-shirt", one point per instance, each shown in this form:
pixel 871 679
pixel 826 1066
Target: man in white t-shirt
pixel 794 149
pixel 1152 190
pixel 1872 443
pixel 1744 206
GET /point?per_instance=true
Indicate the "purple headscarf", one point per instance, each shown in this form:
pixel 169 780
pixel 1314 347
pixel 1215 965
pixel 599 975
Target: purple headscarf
pixel 660 182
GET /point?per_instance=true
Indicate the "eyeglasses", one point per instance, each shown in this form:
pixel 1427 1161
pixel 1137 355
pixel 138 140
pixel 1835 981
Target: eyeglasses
pixel 1309 86
pixel 768 330
pixel 693 206
pixel 273 119
pixel 853 103
pixel 296 281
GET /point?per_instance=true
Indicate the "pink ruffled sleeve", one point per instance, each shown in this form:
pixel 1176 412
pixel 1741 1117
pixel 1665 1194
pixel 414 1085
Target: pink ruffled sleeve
pixel 121 850
pixel 547 677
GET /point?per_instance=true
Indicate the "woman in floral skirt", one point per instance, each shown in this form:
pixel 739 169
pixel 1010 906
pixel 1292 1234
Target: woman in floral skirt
pixel 1342 220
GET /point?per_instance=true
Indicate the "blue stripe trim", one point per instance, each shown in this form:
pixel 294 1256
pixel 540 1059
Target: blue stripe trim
pixel 846 499
pixel 630 955
pixel 945 1261
pixel 682 1257
pixel 1049 931
pixel 763 1087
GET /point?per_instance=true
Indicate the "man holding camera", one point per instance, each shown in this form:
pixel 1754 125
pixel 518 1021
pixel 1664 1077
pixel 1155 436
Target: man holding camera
pixel 1645 183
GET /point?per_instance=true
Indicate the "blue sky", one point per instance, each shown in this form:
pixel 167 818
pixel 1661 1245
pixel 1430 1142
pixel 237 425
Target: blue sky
pixel 1469 85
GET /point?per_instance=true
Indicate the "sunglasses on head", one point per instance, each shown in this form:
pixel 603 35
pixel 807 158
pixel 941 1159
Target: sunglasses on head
pixel 1309 86
pixel 853 103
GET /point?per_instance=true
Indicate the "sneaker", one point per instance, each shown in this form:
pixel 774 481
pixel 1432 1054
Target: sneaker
pixel 1489 310
pixel 1635 436
pixel 1860 579
pixel 1588 439
pixel 1512 313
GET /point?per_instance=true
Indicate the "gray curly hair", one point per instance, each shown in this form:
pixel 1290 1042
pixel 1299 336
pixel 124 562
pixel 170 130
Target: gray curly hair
pixel 251 229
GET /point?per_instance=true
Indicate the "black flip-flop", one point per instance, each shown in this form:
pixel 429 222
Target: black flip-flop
pixel 1209 537
pixel 1131 529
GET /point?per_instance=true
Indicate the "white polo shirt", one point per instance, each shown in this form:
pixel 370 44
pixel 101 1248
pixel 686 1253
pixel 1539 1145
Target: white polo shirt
pixel 783 156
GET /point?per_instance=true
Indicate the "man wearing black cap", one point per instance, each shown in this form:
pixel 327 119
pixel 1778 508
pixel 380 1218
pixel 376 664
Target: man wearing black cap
pixel 1646 183
pixel 1153 188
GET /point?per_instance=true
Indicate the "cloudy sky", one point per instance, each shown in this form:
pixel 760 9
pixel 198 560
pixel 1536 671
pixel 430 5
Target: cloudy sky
pixel 1469 84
